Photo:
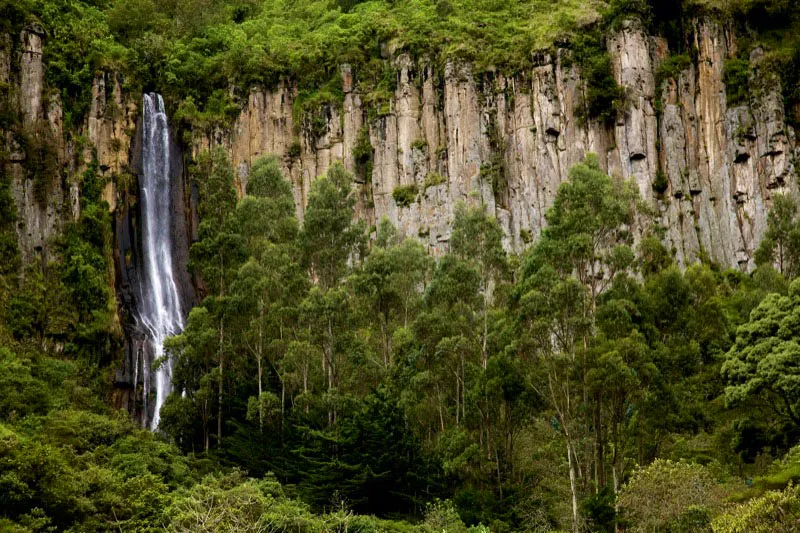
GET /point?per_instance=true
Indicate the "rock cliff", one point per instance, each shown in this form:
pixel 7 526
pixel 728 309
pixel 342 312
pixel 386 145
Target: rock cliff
pixel 707 170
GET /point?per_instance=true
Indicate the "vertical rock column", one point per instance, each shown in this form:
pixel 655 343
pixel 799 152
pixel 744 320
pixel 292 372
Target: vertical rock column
pixel 39 219
pixel 636 127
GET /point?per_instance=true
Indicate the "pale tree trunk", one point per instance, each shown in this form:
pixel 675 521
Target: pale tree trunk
pixel 305 384
pixel 488 293
pixel 484 352
pixel 331 370
pixel 573 484
pixel 458 398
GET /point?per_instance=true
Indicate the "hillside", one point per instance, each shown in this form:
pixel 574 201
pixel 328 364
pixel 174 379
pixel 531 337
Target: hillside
pixel 427 265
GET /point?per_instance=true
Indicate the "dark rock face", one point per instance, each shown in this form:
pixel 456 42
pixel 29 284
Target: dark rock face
pixel 128 256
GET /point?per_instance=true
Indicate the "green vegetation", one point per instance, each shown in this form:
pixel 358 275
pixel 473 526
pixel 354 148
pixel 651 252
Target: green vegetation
pixel 329 386
pixel 660 184
pixel 41 160
pixel 328 383
pixel 432 180
pixel 737 81
pixel 405 195
pixel 671 67
pixel 195 50
pixel 781 243
pixel 420 145
pixel 363 155
pixel 669 496
pixel 604 96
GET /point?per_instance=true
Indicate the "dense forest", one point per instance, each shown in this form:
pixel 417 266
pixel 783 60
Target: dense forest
pixel 338 377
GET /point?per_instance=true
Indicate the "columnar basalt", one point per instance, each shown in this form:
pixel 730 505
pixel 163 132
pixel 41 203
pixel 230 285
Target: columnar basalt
pixel 507 142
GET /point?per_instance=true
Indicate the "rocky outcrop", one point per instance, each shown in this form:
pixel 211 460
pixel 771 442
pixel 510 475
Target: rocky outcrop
pixel 707 170
pixel 35 148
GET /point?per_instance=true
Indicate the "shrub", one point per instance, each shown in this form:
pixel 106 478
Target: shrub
pixel 41 157
pixel 420 145
pixel 433 179
pixel 737 79
pixel 671 68
pixel 660 184
pixel 295 149
pixel 774 511
pixel 660 494
pixel 363 155
pixel 604 96
pixel 405 195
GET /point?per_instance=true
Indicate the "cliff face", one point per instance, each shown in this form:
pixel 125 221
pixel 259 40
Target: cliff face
pixel 714 167
pixel 46 162
pixel 720 164
pixel 40 148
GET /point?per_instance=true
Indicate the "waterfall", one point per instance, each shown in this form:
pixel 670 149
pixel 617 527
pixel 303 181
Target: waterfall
pixel 160 311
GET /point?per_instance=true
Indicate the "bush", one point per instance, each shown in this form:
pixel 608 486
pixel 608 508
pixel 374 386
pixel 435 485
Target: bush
pixel 433 179
pixel 363 155
pixel 41 160
pixel 420 145
pixel 604 96
pixel 295 149
pixel 660 495
pixel 672 67
pixel 737 81
pixel 660 184
pixel 775 511
pixel 405 195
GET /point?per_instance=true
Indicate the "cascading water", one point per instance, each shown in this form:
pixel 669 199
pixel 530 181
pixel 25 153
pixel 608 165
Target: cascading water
pixel 160 311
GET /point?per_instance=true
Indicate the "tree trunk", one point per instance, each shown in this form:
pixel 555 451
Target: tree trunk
pixel 205 424
pixel 599 451
pixel 259 356
pixel 484 353
pixel 331 369
pixel 573 484
pixel 260 404
pixel 219 390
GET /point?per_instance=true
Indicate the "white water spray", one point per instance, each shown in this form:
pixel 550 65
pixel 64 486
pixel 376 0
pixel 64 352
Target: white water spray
pixel 160 309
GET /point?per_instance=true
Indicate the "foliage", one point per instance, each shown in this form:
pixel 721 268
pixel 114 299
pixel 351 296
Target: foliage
pixel 41 160
pixel 432 180
pixel 405 195
pixel 672 67
pixel 349 377
pixel 737 81
pixel 780 245
pixel 363 154
pixel 603 97
pixel 761 366
pixel 329 238
pixel 774 511
pixel 657 496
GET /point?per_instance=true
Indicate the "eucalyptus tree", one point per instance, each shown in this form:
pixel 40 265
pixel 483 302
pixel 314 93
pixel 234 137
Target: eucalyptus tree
pixel 478 239
pixel 330 241
pixel 269 285
pixel 579 254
